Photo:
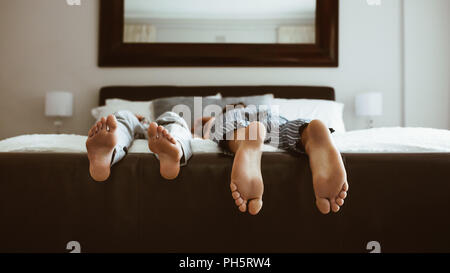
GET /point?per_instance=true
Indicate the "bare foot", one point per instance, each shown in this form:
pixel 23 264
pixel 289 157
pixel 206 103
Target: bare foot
pixel 100 146
pixel 246 179
pixel 328 171
pixel 168 150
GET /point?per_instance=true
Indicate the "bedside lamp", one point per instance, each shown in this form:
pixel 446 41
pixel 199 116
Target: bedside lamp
pixel 58 104
pixel 369 105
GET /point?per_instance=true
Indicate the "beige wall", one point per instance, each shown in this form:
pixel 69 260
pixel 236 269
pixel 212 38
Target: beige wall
pixel 48 45
pixel 427 65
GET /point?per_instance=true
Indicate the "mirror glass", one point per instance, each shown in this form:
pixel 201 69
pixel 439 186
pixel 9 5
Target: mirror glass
pixel 220 21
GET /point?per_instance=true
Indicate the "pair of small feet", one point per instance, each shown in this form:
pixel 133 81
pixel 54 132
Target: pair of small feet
pixel 102 140
pixel 329 176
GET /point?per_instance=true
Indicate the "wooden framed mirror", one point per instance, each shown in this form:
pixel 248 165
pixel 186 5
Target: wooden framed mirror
pixel 146 33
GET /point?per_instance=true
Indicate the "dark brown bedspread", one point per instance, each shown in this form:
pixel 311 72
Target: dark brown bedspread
pixel 47 200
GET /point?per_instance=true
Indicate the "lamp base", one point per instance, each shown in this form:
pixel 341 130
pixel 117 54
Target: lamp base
pixel 370 123
pixel 58 124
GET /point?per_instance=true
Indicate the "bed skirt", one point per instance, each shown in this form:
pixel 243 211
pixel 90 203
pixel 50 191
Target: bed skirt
pixel 48 200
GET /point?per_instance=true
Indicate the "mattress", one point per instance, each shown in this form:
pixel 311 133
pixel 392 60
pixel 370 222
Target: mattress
pixel 376 140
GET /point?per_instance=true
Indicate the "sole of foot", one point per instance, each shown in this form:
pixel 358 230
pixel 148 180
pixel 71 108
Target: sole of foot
pixel 247 185
pixel 168 150
pixel 100 147
pixel 328 170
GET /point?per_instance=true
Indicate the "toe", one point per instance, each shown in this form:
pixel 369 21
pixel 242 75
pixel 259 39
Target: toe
pixel 243 207
pixel 239 201
pixel 323 205
pixel 255 206
pixel 233 187
pixel 103 123
pixel 160 129
pixel 345 187
pixel 334 206
pixel 152 129
pixel 111 122
pixel 236 195
pixel 340 201
pixel 91 131
pixel 165 132
pixel 343 194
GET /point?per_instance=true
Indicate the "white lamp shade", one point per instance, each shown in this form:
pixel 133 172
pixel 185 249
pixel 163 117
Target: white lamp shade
pixel 59 104
pixel 369 104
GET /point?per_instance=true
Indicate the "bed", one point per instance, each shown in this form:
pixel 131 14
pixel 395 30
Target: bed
pixel 399 195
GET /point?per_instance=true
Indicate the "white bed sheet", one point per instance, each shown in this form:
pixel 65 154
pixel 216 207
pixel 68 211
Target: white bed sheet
pixel 377 140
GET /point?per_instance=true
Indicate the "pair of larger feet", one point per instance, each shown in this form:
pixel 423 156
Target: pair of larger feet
pixel 328 172
pixel 102 140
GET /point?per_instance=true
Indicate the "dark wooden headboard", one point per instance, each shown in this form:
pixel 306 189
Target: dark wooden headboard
pixel 143 93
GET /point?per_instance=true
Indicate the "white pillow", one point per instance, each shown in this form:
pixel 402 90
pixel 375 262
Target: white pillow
pixel 126 103
pixel 216 96
pixel 144 108
pixel 330 112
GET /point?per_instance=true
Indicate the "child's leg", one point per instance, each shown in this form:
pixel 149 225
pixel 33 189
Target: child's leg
pixel 108 142
pixel 328 171
pixel 169 138
pixel 246 180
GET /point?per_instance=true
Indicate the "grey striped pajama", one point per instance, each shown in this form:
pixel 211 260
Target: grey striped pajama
pixel 280 133
pixel 130 128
